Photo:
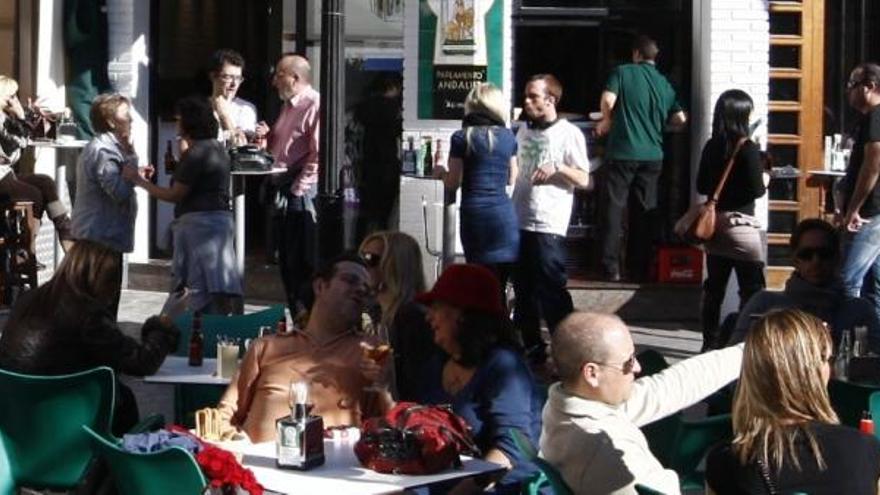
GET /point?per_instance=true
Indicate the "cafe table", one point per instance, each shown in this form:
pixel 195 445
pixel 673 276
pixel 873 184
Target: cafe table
pixel 341 473
pixel 824 180
pixel 175 370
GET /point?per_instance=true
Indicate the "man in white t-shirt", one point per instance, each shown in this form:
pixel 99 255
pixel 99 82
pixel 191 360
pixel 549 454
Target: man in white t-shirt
pixel 553 162
pixel 237 117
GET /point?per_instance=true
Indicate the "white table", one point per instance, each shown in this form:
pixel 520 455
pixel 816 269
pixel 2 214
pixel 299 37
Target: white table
pixel 341 473
pixel 238 208
pixel 175 370
pixel 60 174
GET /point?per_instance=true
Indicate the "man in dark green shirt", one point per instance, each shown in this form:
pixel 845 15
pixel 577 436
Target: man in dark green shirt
pixel 636 105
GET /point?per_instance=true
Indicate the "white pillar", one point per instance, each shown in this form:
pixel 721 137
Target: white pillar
pixel 128 23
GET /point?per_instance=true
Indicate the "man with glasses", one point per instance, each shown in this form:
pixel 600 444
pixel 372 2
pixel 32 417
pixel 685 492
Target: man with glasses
pixel 592 419
pixel 237 117
pixel 814 287
pixel 861 220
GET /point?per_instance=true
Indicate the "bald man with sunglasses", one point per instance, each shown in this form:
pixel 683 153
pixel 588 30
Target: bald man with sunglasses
pixel 592 419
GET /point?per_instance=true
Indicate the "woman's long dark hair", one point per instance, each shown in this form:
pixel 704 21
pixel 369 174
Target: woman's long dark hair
pixel 730 121
pixel 480 332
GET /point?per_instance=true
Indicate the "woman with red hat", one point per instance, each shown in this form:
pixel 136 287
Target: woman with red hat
pixel 484 376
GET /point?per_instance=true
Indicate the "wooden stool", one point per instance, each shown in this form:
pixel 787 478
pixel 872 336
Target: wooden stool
pixel 18 229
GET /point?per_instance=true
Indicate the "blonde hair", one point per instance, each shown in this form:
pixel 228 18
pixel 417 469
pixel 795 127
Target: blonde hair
pixel 8 86
pixel 485 99
pixel 781 388
pixel 104 108
pixel 401 267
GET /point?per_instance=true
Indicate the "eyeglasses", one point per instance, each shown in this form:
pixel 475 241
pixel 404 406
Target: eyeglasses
pixel 372 260
pixel 625 367
pixel 824 253
pixel 852 83
pixel 230 78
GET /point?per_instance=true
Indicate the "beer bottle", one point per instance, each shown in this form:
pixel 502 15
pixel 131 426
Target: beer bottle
pixel 170 160
pixel 196 341
pixel 281 327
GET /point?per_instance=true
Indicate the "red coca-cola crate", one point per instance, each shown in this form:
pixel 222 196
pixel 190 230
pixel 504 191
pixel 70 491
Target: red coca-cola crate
pixel 679 265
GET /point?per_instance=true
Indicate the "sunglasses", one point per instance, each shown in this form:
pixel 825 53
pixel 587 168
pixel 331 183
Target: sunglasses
pixel 824 253
pixel 625 367
pixel 372 260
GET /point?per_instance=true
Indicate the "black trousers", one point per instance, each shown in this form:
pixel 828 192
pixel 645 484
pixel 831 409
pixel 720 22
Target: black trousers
pixel 296 233
pixel 749 276
pixel 631 184
pixel 539 283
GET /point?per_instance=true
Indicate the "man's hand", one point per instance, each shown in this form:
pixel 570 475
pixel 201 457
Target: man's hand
pixel 853 222
pixel 543 173
pixel 131 173
pixel 262 129
pixel 603 127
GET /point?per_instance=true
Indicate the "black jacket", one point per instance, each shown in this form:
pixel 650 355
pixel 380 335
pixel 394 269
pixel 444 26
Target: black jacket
pixel 76 335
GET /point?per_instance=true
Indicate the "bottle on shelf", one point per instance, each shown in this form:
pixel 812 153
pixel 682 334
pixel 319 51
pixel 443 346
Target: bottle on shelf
pixel 196 341
pixel 408 161
pixel 429 159
pixel 841 362
pixel 170 159
pixel 439 154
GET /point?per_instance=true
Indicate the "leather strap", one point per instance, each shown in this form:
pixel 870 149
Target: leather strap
pixel 727 169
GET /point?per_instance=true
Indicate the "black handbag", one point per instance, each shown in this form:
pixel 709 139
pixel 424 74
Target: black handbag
pixel 250 158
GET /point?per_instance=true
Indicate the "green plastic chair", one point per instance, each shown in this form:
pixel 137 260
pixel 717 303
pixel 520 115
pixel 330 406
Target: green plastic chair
pixel 692 442
pixel 661 436
pixel 235 326
pixel 874 403
pixel 172 471
pixel 644 490
pixel 190 398
pixel 850 400
pixel 41 440
pixel 651 361
pixel 548 475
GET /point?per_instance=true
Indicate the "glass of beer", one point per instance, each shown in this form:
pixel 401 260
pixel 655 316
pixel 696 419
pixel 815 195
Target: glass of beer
pixel 379 349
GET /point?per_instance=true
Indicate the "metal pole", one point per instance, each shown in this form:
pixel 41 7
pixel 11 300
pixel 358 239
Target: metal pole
pixel 301 26
pixel 329 237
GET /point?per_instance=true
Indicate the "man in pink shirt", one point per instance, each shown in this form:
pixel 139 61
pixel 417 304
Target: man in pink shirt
pixel 293 141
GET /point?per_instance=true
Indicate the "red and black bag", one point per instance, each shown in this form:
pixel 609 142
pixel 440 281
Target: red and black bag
pixel 414 439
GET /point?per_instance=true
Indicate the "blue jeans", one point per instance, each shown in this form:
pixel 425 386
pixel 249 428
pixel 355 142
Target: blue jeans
pixel 861 263
pixel 539 284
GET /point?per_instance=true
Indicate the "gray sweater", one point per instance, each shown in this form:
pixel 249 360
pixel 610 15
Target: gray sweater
pixel 829 304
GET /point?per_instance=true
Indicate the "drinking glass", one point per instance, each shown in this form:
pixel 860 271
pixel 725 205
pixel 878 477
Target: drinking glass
pixel 379 350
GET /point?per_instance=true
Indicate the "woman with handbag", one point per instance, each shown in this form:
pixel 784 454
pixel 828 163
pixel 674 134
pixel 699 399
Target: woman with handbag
pixel 786 436
pixel 732 163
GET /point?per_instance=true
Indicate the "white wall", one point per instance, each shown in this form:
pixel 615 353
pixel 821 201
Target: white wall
pixel 128 23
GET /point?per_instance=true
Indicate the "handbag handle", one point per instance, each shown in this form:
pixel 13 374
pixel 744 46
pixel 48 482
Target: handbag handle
pixel 726 173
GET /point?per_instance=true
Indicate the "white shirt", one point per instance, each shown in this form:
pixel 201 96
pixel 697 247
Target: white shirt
pixel 546 208
pixel 243 113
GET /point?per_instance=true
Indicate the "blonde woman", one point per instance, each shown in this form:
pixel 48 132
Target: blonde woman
pixel 37 188
pixel 787 438
pixel 394 260
pixel 482 161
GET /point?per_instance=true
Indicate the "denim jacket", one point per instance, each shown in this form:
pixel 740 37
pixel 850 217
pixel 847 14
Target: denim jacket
pixel 105 206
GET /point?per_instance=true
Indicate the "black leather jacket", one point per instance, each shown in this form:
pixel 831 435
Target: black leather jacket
pixel 76 335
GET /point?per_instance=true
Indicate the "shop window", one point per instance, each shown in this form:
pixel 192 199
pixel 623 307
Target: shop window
pixel 785 89
pixel 781 221
pixel 785 23
pixel 778 255
pixel 785 57
pixel 783 123
pixel 784 154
